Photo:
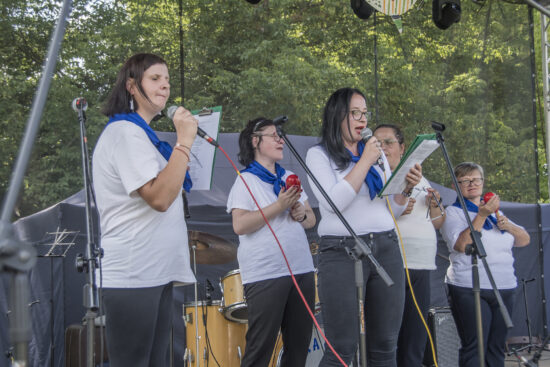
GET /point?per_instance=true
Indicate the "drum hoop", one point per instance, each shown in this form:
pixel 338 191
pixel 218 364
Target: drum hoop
pixel 232 272
pixel 227 312
pixel 202 303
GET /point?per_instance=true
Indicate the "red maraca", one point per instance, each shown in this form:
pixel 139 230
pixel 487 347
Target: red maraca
pixel 293 180
pixel 487 197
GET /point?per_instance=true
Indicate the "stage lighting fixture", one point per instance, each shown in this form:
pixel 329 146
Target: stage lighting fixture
pixel 361 8
pixel 253 1
pixel 445 12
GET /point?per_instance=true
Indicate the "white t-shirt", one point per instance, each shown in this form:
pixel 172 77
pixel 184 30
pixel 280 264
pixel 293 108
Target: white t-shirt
pixel 418 233
pixel 259 255
pixel 363 214
pixel 143 247
pixel 498 247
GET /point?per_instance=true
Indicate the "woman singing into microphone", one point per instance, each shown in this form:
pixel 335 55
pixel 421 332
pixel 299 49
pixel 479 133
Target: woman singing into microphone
pixel 138 182
pixel 348 171
pixel 272 299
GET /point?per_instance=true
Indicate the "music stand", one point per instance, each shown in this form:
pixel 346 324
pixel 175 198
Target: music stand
pixel 62 242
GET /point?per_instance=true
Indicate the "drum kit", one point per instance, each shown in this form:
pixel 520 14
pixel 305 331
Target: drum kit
pixel 216 329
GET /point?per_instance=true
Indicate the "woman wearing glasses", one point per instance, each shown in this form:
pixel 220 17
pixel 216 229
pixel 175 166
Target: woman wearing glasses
pixel 416 226
pixel 348 171
pixel 498 235
pixel 273 301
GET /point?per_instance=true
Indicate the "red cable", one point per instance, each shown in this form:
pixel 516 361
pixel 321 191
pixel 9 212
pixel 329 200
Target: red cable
pixel 286 261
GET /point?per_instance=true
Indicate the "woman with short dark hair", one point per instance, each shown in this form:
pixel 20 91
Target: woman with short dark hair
pixel 138 181
pixel 417 226
pixel 272 299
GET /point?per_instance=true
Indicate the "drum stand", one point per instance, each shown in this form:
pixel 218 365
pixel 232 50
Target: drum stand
pixel 197 336
pixel 527 320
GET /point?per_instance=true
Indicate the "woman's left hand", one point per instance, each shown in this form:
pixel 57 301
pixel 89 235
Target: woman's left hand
pixel 298 211
pixel 414 176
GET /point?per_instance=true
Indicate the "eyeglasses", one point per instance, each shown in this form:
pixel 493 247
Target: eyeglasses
pixel 476 181
pixel 356 114
pixel 431 197
pixel 275 136
pixel 387 142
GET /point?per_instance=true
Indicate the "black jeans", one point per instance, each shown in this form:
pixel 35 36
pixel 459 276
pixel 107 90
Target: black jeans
pixel 383 304
pixel 137 325
pixel 461 301
pixel 413 335
pixel 275 304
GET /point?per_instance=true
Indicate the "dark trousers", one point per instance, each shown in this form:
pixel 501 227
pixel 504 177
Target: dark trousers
pixel 461 301
pixel 383 304
pixel 275 304
pixel 137 325
pixel 413 335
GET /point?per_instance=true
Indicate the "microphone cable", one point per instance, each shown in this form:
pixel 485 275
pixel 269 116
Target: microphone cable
pixel 317 326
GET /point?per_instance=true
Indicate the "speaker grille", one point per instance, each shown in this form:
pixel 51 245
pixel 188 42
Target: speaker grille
pixel 446 340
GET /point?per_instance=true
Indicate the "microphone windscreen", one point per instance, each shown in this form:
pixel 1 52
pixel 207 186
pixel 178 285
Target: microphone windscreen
pixel 171 111
pixel 366 134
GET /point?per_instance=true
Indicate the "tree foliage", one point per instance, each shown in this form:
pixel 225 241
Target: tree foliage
pixel 277 57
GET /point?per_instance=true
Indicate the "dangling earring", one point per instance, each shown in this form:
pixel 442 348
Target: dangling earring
pixel 132 103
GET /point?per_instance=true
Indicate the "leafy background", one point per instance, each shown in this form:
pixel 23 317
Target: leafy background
pixel 280 57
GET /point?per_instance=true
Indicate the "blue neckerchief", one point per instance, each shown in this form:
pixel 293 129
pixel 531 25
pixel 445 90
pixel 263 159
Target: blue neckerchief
pixel 266 176
pixel 471 207
pixel 163 147
pixel 373 179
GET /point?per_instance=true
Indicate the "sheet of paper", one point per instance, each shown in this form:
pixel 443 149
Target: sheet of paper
pixel 421 149
pixel 203 153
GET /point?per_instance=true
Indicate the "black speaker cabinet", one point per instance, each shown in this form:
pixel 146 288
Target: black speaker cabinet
pixel 446 340
pixel 75 346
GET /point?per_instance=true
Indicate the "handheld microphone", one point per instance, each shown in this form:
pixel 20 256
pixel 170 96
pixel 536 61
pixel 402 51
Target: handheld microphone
pixel 79 103
pixel 200 132
pixel 366 134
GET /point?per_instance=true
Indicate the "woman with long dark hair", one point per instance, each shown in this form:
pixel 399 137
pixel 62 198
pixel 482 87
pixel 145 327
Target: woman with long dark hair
pixel 138 181
pixel 272 299
pixel 347 169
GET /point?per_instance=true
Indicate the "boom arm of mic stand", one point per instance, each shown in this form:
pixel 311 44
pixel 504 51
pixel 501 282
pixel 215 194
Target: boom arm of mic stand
pixel 479 250
pixel 361 249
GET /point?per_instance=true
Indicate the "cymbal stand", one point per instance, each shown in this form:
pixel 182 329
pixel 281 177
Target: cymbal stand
pixel 197 336
pixel 527 319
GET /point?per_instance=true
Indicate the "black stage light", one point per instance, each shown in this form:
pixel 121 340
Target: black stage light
pixel 361 8
pixel 253 1
pixel 445 12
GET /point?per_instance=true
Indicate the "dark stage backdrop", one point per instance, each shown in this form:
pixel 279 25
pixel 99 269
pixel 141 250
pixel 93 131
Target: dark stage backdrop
pixel 208 215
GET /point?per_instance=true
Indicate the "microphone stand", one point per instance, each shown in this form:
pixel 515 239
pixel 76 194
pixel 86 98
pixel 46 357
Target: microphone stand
pixel 18 257
pixel 475 250
pixel 360 251
pixel 89 262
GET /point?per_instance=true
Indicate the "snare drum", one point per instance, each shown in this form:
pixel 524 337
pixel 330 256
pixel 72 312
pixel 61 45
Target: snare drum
pixel 220 339
pixel 233 301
